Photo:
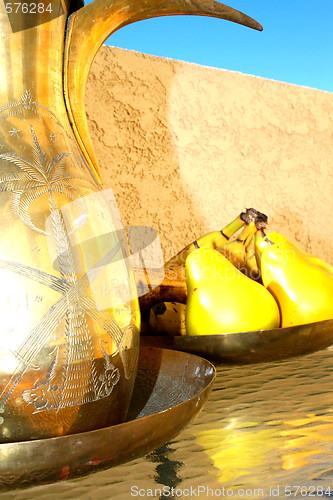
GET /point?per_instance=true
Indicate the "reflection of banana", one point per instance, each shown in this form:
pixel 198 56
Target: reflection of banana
pixel 305 438
pixel 168 318
pixel 238 450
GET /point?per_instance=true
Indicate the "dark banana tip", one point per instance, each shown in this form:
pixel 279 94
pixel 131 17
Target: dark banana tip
pixel 159 308
pixel 253 215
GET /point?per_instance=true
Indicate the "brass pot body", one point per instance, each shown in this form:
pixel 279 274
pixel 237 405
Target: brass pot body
pixel 69 339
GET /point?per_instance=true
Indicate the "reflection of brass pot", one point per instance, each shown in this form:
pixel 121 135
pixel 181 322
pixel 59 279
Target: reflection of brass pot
pixel 69 338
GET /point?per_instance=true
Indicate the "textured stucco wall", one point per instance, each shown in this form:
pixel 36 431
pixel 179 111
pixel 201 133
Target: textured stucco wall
pixel 185 147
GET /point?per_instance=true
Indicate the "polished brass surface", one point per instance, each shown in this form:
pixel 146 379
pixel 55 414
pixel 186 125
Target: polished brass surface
pixel 68 357
pixel 169 391
pixel 265 432
pixel 69 308
pixel 252 347
pixel 68 350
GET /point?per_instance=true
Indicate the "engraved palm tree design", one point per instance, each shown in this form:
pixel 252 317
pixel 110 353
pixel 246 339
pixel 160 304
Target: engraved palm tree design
pixel 80 381
pixel 40 176
pixel 26 103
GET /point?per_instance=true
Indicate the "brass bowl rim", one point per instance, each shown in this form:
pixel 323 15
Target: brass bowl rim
pixel 278 329
pixel 253 346
pixel 72 449
pixel 127 422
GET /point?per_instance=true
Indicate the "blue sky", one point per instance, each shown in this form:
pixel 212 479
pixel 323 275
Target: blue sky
pixel 296 45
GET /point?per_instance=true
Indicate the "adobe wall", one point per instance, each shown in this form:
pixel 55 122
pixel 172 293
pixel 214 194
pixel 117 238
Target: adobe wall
pixel 186 147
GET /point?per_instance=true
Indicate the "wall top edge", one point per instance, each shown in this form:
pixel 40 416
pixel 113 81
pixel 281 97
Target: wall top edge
pixel 179 62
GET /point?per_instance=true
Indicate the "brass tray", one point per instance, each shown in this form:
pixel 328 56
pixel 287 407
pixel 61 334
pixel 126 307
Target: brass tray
pixel 170 389
pixel 252 347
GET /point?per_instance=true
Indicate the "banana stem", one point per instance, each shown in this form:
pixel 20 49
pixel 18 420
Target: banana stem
pixel 265 238
pixel 233 226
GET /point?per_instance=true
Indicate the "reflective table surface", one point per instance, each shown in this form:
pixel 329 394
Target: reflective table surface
pixel 266 431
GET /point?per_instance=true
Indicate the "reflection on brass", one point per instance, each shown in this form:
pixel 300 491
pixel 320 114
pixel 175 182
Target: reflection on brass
pixel 253 347
pixel 69 339
pixel 170 390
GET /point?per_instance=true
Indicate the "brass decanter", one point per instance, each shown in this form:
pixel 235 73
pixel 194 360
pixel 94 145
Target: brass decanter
pixel 70 318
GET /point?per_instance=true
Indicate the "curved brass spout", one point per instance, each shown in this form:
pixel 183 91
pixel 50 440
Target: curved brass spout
pixel 91 25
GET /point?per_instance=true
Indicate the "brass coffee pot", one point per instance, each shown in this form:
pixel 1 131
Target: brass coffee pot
pixel 69 311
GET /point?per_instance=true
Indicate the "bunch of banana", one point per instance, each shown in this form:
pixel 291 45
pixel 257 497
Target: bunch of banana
pixel 255 281
pixel 173 287
pixel 239 251
pixel 155 305
pixel 214 239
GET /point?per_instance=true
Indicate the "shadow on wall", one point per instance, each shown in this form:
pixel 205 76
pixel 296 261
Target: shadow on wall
pixel 127 105
pixel 186 147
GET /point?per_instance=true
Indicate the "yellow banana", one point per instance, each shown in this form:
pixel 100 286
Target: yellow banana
pixel 237 250
pixel 252 269
pixel 172 288
pixel 251 265
pixel 168 318
pixel 214 239
pixel 240 251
